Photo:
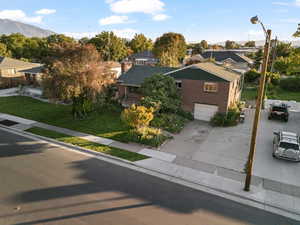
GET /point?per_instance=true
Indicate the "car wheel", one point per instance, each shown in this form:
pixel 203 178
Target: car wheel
pixel 286 120
pixel 274 156
pixel 269 117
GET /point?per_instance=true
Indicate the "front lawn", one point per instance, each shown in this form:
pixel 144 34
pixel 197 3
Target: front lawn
pixel 106 124
pixel 120 153
pixel 250 93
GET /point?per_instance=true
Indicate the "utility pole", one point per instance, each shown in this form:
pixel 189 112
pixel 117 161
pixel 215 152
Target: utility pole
pixel 259 101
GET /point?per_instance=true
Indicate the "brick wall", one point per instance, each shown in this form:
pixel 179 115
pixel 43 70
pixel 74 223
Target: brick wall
pixel 193 92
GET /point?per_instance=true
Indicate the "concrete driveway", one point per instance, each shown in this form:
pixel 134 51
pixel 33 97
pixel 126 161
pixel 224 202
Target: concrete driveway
pixel 229 147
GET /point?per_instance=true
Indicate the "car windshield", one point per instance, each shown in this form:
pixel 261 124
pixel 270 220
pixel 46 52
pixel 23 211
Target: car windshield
pixel 287 145
pixel 279 109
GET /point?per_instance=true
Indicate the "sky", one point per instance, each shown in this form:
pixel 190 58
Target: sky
pixel 211 20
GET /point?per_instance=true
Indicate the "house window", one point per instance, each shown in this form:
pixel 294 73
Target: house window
pixel 133 89
pixel 210 87
pixel 178 84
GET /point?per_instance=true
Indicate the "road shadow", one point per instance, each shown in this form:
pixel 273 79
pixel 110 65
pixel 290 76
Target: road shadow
pixel 105 177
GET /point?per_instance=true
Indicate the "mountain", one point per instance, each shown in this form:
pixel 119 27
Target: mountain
pixel 10 26
pixel 262 42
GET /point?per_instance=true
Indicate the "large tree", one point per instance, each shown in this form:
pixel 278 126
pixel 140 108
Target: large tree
pixel 204 44
pixel 231 45
pixel 3 50
pixel 250 44
pixel 111 47
pixel 76 73
pixel 284 49
pixel 140 43
pixel 15 44
pixel 170 43
pixel 161 93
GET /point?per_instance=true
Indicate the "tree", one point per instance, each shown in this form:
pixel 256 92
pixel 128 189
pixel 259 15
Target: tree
pixel 168 59
pixel 197 49
pixel 284 49
pixel 59 39
pixel 137 116
pixel 14 43
pixel 76 73
pixel 231 45
pixel 140 43
pixel 204 44
pixel 161 93
pixel 111 47
pixel 170 43
pixel 258 58
pixel 3 50
pixel 84 40
pixel 250 44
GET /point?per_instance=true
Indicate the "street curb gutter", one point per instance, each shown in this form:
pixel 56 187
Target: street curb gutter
pixel 182 181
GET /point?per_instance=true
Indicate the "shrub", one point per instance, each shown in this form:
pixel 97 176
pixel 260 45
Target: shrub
pixel 170 122
pixel 148 136
pixel 290 84
pixel 226 120
pixel 251 76
pixel 137 116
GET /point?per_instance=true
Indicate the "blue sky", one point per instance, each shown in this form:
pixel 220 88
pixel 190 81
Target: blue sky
pixel 212 20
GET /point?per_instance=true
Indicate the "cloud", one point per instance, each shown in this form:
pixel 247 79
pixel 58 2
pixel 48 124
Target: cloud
pixel 45 11
pixel 160 17
pixel 136 6
pixel 19 15
pixel 290 20
pixel 294 3
pixel 125 33
pixel 281 3
pixel 114 20
pixel 78 35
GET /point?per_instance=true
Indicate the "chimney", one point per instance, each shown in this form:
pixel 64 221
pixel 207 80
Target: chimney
pixel 125 66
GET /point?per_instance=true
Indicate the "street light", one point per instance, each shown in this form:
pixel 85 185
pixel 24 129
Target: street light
pixel 259 101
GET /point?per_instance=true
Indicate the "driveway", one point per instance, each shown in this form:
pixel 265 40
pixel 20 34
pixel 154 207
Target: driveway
pixel 229 147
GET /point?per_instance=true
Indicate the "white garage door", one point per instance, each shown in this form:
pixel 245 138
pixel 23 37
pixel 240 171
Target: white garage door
pixel 205 112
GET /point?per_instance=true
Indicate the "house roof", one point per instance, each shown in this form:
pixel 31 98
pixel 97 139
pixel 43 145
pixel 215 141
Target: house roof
pixel 34 70
pixel 9 63
pixel 206 71
pixel 220 56
pixel 137 74
pixel 143 55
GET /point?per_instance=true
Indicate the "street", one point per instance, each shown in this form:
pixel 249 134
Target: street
pixel 42 184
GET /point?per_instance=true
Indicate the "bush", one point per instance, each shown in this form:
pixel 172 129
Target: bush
pixel 290 84
pixel 170 122
pixel 226 120
pixel 137 116
pixel 148 136
pixel 251 76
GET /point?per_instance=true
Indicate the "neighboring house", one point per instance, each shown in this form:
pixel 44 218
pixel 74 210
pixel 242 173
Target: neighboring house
pixel 142 58
pixel 14 72
pixel 230 59
pixel 206 88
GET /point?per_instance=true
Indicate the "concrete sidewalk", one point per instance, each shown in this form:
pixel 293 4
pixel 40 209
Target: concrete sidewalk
pixel 229 183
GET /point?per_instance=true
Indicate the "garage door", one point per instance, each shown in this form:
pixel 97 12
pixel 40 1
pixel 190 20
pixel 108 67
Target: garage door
pixel 205 112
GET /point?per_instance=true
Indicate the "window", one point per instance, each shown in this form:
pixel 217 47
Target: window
pixel 210 87
pixel 179 84
pixel 133 89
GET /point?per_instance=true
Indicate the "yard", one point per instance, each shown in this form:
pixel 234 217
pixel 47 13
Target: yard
pixel 107 124
pixel 250 93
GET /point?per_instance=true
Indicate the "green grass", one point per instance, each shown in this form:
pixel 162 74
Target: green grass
pixel 107 124
pixel 120 153
pixel 250 93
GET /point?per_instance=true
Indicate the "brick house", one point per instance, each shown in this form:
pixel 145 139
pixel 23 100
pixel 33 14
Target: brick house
pixel 206 88
pixel 14 72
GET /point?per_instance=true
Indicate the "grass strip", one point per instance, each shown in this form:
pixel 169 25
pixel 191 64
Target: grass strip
pixel 120 153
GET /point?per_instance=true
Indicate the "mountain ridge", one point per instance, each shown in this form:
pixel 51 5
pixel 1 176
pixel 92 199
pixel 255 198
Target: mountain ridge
pixel 10 26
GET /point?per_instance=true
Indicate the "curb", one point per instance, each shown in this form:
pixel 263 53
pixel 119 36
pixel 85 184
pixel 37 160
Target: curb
pixel 178 180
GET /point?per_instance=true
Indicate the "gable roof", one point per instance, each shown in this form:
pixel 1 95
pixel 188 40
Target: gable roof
pixel 9 63
pixel 137 74
pixel 220 56
pixel 206 71
pixel 142 55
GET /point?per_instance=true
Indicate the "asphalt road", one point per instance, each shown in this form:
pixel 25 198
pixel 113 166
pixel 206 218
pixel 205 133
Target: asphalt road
pixel 42 184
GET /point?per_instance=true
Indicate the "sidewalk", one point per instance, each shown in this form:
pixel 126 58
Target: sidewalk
pixel 224 182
